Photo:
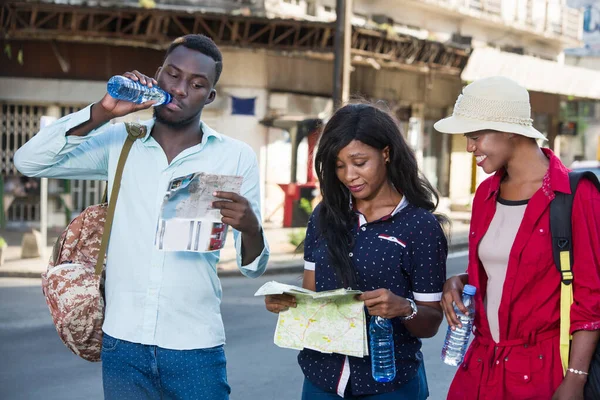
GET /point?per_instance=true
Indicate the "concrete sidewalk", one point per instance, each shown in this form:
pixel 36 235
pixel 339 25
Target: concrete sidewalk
pixel 284 257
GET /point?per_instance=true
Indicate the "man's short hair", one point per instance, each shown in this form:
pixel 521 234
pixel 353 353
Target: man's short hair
pixel 202 44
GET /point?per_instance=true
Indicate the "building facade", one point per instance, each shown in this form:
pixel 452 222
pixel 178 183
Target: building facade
pixel 277 79
pixel 414 56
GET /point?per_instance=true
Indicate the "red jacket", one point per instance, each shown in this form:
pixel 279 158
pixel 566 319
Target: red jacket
pixel 525 364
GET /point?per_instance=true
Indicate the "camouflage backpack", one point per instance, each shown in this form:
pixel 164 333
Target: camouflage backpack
pixel 73 282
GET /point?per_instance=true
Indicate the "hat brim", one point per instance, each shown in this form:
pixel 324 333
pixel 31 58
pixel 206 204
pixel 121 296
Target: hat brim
pixel 458 125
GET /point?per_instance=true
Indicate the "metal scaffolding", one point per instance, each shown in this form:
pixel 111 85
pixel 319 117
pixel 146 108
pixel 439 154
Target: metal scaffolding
pixel 156 28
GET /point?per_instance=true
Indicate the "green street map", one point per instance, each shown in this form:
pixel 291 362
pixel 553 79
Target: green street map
pixel 332 321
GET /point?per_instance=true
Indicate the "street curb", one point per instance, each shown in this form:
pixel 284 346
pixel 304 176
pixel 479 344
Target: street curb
pixel 275 268
pixel 20 274
pixel 292 267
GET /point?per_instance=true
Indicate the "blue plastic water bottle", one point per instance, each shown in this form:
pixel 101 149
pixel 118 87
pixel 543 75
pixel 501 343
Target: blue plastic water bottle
pixel 383 361
pixel 456 342
pixel 122 88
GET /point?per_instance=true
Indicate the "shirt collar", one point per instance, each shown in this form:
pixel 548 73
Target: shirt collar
pixel 361 218
pixel 206 130
pixel 555 180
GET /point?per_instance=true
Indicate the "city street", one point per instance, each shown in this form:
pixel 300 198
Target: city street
pixel 34 364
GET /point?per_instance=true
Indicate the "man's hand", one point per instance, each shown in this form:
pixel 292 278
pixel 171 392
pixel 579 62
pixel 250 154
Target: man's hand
pixel 109 107
pixel 237 213
pixel 384 303
pixel 114 108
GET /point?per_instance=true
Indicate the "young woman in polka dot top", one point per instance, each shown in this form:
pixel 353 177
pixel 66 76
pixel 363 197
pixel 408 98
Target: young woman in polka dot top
pixel 375 231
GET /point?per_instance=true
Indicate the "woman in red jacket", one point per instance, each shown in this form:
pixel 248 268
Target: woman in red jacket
pixel 515 352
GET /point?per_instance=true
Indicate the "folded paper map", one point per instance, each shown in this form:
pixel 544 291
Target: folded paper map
pixel 188 221
pixel 332 321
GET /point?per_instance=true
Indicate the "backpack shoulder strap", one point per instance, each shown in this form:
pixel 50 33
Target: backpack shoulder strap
pixel 562 249
pixel 134 132
pixel 560 224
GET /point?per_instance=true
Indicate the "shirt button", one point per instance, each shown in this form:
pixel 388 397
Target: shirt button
pixel 472 233
pixel 497 362
pixel 541 231
pixel 350 254
pixel 363 229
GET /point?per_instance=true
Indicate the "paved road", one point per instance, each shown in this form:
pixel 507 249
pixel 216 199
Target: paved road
pixel 34 364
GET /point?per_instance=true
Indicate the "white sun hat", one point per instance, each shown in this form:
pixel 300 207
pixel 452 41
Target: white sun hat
pixel 494 103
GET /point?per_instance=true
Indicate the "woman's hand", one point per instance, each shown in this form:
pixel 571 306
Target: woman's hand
pixel 453 289
pixel 277 303
pixel 384 303
pixel 571 388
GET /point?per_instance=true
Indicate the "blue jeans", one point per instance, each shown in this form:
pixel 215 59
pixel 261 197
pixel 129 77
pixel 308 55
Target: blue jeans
pixel 132 371
pixel 415 389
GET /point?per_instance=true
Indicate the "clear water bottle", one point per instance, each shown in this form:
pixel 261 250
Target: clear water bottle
pixel 122 88
pixel 456 342
pixel 383 361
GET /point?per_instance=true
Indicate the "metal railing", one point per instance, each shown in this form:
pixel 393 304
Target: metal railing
pixel 564 21
pixel 572 23
pixel 487 6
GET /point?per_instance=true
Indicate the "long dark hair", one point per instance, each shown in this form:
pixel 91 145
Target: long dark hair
pixel 378 129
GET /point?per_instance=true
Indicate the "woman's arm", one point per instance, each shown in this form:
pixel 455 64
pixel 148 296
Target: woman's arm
pixel 585 310
pixel 453 289
pixel 277 303
pixel 308 281
pixel 384 303
pixel 583 347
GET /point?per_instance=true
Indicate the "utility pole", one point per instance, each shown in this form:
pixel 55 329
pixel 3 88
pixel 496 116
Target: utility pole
pixel 342 49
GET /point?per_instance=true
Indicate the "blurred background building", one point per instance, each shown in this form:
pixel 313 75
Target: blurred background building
pixel 412 55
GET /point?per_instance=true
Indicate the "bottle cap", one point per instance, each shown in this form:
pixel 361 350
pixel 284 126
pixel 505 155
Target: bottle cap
pixel 470 290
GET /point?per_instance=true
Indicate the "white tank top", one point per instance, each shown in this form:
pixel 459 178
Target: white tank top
pixel 494 251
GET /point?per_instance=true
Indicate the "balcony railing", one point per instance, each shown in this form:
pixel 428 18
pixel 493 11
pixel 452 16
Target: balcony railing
pixel 487 6
pixel 572 23
pixel 552 18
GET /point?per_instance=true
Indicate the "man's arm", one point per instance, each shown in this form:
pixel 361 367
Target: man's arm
pixel 109 108
pixel 72 147
pixel 53 154
pixel 98 117
pixel 252 246
pixel 242 213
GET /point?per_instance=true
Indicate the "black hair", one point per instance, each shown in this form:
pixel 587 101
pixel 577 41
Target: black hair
pixel 202 44
pixel 376 128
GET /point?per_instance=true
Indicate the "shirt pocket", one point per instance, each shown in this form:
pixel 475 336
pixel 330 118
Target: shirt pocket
pixel 383 238
pixel 388 251
pixel 525 376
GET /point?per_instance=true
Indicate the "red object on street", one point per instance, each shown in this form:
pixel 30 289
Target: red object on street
pixel 292 193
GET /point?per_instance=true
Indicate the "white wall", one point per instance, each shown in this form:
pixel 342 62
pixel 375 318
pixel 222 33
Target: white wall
pixel 460 171
pixel 50 91
pixel 584 62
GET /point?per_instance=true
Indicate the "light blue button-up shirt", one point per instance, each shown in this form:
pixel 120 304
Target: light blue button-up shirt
pixel 168 299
